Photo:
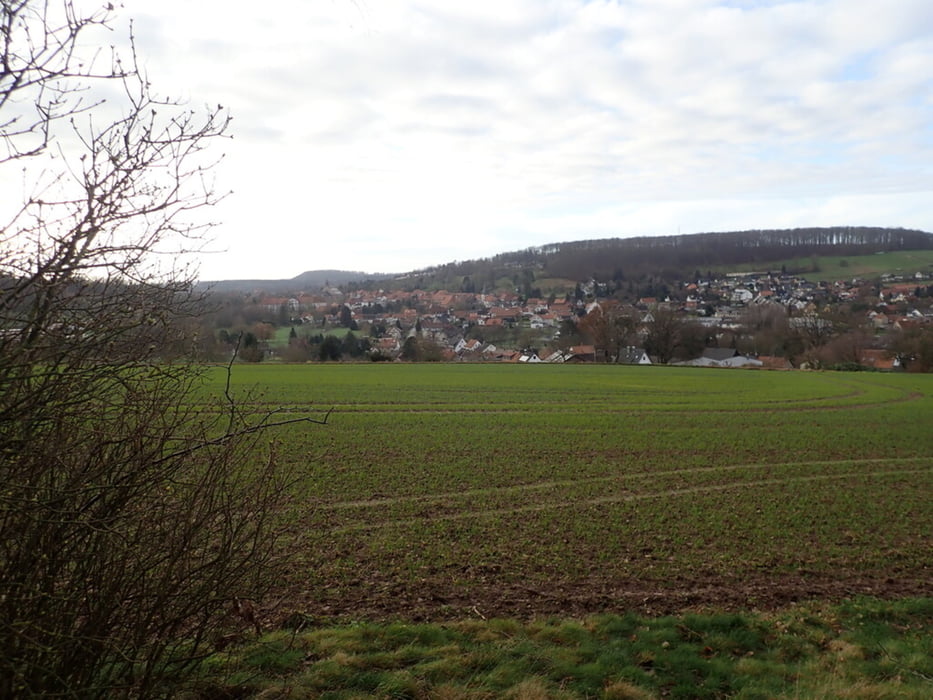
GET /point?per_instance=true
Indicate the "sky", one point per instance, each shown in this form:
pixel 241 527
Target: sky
pixel 392 135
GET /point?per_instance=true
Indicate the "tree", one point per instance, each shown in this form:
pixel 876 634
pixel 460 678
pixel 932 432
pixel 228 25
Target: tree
pixel 346 318
pixel 693 339
pixel 350 346
pixel 610 327
pixel 766 329
pixel 298 350
pixel 811 332
pixel 913 347
pixel 250 349
pixel 663 333
pixel 331 348
pixel 416 349
pixel 568 334
pixel 411 349
pixel 132 515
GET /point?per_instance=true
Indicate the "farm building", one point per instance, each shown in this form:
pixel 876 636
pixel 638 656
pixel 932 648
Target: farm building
pixel 722 357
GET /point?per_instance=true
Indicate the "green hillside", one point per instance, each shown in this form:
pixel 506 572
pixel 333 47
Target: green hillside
pixel 825 267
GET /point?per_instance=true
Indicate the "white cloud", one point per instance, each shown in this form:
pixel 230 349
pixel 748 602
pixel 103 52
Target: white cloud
pixel 394 134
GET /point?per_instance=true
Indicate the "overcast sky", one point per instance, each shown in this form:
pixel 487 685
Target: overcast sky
pixel 388 135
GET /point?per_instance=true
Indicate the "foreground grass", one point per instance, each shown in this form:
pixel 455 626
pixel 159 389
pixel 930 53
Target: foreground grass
pixel 860 649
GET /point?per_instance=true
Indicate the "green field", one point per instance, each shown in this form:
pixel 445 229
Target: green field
pixel 840 267
pixel 443 491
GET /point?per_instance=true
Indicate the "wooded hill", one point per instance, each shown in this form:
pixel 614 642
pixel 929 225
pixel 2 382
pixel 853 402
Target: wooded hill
pixel 658 258
pixel 683 257
pixel 312 279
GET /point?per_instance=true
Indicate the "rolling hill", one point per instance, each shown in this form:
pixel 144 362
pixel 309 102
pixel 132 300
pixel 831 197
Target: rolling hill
pixel 803 251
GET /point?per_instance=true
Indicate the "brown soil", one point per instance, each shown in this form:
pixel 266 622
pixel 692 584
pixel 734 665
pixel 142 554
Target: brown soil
pixel 439 599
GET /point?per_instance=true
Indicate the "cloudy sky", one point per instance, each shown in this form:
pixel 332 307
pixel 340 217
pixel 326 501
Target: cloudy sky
pixel 388 135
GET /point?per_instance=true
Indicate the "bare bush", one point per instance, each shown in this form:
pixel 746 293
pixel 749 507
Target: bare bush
pixel 133 513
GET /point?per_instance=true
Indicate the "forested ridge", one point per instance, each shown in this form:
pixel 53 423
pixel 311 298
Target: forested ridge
pixel 668 258
pixel 678 256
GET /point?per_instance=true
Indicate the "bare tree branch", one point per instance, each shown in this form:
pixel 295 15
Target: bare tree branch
pixel 133 508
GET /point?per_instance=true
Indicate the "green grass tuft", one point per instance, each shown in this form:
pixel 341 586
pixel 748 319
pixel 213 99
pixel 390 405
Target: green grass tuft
pixel 864 648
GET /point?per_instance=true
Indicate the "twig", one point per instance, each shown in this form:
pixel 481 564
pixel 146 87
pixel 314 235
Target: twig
pixel 230 401
pixel 901 667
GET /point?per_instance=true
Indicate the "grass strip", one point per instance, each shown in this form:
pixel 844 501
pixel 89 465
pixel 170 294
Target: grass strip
pixel 859 649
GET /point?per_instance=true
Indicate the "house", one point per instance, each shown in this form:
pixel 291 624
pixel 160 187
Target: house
pixel 503 356
pixel 468 346
pixel 580 353
pixel 562 311
pixel 276 304
pixel 633 356
pixel 387 346
pixel 879 321
pixel 506 314
pixel 878 359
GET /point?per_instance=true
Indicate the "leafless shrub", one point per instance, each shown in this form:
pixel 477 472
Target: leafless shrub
pixel 132 512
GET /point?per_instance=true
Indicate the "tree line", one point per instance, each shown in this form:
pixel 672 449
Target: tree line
pixel 671 258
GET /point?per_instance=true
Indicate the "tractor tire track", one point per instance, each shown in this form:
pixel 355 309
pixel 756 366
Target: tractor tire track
pixel 622 498
pixel 567 483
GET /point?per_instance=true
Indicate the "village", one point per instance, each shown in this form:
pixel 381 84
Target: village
pixel 754 319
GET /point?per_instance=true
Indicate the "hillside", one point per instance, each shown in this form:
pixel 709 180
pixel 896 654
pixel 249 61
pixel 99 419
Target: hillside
pixel 683 256
pixel 312 279
pixel 805 251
